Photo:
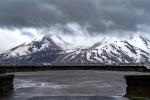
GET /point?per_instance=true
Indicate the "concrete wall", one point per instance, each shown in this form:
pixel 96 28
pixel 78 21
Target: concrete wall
pixel 138 85
pixel 6 84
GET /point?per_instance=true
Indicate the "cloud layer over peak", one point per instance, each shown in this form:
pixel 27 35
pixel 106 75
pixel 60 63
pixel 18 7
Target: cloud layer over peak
pixel 100 16
pixel 73 17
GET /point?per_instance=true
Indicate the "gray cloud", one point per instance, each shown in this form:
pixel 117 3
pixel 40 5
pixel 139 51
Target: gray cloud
pixel 101 16
pixel 29 34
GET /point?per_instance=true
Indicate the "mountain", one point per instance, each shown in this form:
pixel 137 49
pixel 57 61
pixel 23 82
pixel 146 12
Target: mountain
pixel 52 49
pixel 133 50
pixel 43 50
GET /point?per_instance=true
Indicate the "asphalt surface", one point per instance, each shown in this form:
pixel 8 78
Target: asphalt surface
pixel 70 85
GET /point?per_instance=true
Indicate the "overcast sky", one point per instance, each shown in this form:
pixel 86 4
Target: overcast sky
pixel 89 17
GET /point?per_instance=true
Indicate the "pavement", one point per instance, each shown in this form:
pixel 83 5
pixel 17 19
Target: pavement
pixel 70 85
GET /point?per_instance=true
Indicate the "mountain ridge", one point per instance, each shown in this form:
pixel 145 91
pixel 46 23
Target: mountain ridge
pixel 52 49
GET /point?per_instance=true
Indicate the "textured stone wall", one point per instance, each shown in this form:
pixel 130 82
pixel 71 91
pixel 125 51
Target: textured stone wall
pixel 138 85
pixel 6 83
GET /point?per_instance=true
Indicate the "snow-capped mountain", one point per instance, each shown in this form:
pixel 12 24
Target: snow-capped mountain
pixel 41 50
pixel 52 49
pixel 133 50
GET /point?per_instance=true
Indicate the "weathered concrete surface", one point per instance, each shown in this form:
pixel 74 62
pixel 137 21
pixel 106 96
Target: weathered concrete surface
pixel 2 71
pixel 6 83
pixel 101 85
pixel 138 85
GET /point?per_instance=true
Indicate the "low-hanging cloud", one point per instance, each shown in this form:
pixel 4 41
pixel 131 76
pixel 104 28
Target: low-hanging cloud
pixel 97 16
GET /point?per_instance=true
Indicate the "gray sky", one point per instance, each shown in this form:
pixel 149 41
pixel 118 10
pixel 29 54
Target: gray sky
pixel 111 17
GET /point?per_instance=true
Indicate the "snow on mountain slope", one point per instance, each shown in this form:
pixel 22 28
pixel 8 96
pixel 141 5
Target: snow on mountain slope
pixel 57 39
pixel 140 42
pixel 133 50
pixel 42 50
pixel 53 49
pixel 38 44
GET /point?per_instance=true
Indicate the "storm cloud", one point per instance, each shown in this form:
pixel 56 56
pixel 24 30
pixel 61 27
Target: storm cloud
pixel 97 16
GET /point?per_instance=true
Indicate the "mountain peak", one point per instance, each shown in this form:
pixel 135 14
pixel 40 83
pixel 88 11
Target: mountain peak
pixel 51 48
pixel 47 38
